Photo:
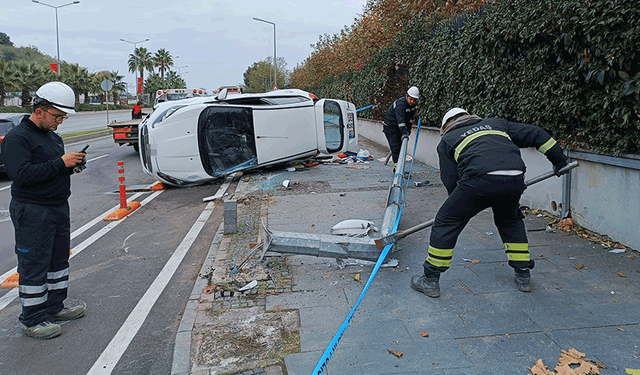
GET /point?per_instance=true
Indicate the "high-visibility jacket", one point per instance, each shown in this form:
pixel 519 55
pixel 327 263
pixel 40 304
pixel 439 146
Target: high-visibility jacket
pixel 479 146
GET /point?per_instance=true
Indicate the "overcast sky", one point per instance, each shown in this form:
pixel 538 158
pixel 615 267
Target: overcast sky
pixel 216 39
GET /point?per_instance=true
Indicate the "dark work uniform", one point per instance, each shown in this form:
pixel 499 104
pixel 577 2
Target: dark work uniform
pixel 470 154
pixel 399 115
pixel 40 214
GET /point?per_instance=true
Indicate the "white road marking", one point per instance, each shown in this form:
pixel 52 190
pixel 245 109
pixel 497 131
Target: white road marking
pixel 6 187
pixel 120 342
pixel 98 157
pixel 13 294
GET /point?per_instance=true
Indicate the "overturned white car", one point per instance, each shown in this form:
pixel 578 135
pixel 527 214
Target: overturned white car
pixel 192 141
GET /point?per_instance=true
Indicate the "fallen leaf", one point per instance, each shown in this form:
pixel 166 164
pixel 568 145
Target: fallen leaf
pixel 620 274
pixel 631 371
pixel 357 277
pixel 424 334
pixel 579 267
pixel 566 224
pixel 540 369
pixel 621 329
pixel 272 201
pixel 396 353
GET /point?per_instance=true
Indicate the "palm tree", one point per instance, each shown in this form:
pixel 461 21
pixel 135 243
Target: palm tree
pixel 140 59
pixel 6 79
pixel 78 78
pixel 28 77
pixel 163 60
pixel 118 84
pixel 175 81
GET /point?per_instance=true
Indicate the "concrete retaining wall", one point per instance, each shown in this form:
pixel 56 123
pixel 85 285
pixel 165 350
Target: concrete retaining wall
pixel 603 192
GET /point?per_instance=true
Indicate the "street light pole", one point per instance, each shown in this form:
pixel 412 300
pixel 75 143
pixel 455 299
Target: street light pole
pixel 135 56
pixel 275 69
pixel 57 37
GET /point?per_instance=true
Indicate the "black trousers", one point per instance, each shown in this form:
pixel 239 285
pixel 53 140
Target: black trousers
pixel 502 194
pixel 394 137
pixel 43 241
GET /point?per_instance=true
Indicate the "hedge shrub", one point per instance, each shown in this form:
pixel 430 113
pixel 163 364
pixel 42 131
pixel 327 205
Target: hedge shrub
pixel 571 67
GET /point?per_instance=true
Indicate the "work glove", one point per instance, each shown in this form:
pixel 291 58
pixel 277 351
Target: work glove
pixel 559 165
pixel 404 133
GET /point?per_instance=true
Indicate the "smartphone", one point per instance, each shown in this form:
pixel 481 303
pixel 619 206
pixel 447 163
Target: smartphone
pixel 84 150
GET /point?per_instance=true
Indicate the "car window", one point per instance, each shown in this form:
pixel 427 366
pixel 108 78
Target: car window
pixel 5 126
pixel 226 139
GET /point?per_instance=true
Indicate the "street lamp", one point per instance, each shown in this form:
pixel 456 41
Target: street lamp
pixel 275 69
pixel 57 37
pixel 180 67
pixel 135 56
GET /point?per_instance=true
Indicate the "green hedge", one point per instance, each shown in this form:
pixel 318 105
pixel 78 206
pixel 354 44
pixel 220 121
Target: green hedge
pixel 572 67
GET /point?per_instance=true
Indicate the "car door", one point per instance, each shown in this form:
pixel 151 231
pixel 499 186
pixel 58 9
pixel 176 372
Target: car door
pixel 336 126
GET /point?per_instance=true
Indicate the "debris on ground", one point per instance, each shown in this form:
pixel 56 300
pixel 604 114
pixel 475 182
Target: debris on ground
pixel 571 362
pixel 396 353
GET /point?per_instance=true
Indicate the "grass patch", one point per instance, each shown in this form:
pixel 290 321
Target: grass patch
pixel 84 133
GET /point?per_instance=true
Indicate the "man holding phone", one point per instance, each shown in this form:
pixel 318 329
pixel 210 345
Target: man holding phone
pixel 40 170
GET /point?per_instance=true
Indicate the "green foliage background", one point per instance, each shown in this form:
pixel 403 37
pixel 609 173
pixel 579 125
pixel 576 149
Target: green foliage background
pixel 571 67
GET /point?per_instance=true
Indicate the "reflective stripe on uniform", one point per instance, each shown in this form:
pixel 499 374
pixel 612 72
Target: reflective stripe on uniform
pixel 32 301
pixel 473 136
pixel 59 285
pixel 440 257
pixel 547 145
pixel 32 289
pixel 517 251
pixel 58 274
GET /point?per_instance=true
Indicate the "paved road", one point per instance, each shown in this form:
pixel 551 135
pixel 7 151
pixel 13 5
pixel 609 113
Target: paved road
pixel 84 121
pixel 135 275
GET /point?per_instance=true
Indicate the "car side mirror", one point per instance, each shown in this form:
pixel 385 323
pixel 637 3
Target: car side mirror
pixel 222 95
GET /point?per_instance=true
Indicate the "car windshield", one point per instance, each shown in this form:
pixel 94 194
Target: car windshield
pixel 5 126
pixel 226 139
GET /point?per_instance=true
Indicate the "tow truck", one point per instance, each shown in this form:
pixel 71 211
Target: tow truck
pixel 126 133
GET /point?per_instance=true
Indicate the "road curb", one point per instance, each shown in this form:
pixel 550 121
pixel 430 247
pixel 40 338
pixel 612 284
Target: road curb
pixel 182 349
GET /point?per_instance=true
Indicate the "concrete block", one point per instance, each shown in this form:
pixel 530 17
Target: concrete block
pixel 230 216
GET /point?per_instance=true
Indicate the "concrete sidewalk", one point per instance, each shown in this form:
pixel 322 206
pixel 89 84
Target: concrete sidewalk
pixel 585 297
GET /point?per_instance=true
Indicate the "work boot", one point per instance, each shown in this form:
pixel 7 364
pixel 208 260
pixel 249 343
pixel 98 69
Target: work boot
pixel 523 280
pixel 428 286
pixel 74 310
pixel 43 331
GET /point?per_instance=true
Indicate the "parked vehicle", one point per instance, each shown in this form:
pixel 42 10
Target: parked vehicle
pixel 196 140
pixel 178 94
pixel 8 121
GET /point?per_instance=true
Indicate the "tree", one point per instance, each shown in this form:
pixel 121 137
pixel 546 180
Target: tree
pixel 118 84
pixel 140 59
pixel 174 80
pixel 6 79
pixel 28 77
pixel 78 78
pixel 153 84
pixel 5 40
pixel 163 60
pixel 259 76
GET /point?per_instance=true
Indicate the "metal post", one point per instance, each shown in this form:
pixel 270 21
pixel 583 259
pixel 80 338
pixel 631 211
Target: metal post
pixel 57 34
pixel 135 56
pixel 275 68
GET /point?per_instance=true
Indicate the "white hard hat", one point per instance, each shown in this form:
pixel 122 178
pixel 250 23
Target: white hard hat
pixel 59 95
pixel 413 92
pixel 452 112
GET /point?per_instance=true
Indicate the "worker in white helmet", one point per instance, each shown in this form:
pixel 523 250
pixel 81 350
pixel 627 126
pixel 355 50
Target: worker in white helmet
pixel 397 121
pixel 40 168
pixel 481 167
